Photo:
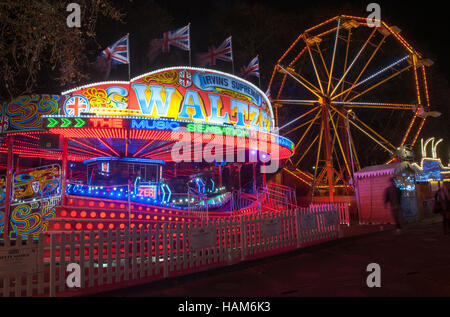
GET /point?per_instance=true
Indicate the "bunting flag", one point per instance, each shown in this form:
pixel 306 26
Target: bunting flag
pixel 252 69
pixel 223 53
pixel 118 52
pixel 179 38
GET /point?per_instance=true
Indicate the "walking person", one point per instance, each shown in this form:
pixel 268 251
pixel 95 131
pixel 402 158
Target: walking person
pixel 392 196
pixel 442 200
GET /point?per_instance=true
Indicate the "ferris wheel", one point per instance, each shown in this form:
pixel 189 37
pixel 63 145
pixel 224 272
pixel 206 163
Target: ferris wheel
pixel 348 94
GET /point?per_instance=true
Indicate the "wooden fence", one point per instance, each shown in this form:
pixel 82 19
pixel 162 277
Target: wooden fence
pixel 109 259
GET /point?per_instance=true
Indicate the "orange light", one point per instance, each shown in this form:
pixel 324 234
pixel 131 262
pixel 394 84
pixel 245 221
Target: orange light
pixel 107 123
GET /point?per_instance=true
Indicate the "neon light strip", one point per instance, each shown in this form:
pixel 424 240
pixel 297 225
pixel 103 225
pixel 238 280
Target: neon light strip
pixel 143 148
pixel 372 76
pixel 426 86
pixel 110 148
pixel 90 147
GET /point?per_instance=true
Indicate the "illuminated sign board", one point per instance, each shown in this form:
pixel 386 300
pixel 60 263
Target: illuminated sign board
pixel 159 124
pixel 146 191
pixel 180 93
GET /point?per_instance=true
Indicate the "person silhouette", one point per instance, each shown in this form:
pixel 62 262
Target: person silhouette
pixel 392 196
pixel 442 197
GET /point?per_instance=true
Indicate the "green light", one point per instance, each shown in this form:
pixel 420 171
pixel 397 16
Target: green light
pixel 52 122
pixel 80 123
pixel 206 128
pixel 65 123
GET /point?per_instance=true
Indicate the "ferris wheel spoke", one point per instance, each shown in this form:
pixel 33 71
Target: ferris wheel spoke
pixel 370 77
pixel 299 117
pixel 347 46
pixel 306 181
pixel 289 72
pixel 380 83
pixel 353 62
pixel 367 64
pixel 339 143
pixel 372 137
pixel 300 126
pixel 375 105
pixel 314 64
pixel 330 75
pixel 307 129
pixel 323 63
pixel 295 102
pixel 307 150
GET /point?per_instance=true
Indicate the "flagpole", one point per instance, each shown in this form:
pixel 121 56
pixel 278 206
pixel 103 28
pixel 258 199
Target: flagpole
pixel 232 58
pixel 126 137
pixel 129 58
pixel 259 72
pixel 190 61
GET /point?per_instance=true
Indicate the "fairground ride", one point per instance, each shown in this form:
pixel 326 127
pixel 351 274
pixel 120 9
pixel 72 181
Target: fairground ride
pixel 349 94
pixel 172 145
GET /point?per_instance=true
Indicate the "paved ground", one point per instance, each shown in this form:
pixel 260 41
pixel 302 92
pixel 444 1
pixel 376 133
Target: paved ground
pixel 415 262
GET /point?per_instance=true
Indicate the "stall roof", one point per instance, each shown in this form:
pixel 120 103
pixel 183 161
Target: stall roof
pixel 380 170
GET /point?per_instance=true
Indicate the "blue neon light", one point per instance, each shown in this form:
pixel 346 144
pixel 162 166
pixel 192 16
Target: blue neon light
pixel 124 159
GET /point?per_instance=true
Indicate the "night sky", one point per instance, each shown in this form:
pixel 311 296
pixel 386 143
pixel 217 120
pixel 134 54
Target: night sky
pixel 424 25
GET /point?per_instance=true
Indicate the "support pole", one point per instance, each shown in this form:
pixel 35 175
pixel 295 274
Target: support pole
pixel 8 190
pixel 328 157
pixel 64 155
pixel 220 175
pixel 239 176
pixel 264 176
pixel 254 177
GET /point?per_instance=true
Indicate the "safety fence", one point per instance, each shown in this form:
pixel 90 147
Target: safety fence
pixel 84 262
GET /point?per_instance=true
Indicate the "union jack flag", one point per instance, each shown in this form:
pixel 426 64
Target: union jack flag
pixel 252 69
pixel 179 38
pixel 223 53
pixel 118 52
